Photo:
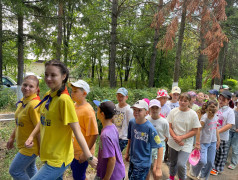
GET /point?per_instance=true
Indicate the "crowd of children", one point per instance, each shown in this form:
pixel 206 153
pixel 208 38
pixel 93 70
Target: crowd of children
pixel 150 131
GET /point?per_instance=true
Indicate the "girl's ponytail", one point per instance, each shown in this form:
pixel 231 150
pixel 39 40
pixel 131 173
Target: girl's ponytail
pixel 231 104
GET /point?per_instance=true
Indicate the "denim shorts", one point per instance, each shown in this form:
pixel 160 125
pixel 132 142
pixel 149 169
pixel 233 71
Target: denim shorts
pixel 48 172
pixel 136 172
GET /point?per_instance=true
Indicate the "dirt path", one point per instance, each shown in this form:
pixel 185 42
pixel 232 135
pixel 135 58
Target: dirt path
pixel 226 175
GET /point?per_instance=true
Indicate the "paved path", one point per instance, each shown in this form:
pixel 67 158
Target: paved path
pixel 7 117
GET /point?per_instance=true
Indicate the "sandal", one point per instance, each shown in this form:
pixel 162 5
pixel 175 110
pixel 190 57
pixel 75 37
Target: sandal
pixel 232 166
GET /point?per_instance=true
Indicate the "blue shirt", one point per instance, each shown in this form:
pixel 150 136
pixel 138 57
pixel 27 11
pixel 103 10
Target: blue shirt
pixel 143 138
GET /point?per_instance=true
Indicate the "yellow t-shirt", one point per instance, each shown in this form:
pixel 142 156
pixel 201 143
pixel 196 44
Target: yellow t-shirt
pixel 56 133
pixel 26 119
pixel 88 124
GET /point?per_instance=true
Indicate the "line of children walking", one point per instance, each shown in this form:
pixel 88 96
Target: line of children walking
pixel 144 135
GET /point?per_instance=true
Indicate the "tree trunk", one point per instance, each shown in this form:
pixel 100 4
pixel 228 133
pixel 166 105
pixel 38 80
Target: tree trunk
pixel 60 31
pixel 200 60
pixel 223 56
pixel 20 45
pixel 67 30
pixel 1 60
pixel 112 65
pixel 155 51
pixel 180 43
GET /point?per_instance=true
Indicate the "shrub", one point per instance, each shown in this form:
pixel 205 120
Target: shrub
pixel 232 83
pixel 7 99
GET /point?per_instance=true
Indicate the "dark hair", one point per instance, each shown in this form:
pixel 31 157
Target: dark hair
pixel 34 78
pixel 211 112
pixel 63 70
pixel 231 104
pixel 185 95
pixel 108 108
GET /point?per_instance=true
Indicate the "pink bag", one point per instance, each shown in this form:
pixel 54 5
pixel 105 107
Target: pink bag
pixel 194 157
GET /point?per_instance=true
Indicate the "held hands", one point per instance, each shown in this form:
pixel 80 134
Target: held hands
pixel 10 143
pixel 93 162
pixel 29 142
pixel 157 173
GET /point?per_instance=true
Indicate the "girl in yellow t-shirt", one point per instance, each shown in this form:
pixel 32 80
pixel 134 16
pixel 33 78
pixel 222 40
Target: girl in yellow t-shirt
pixel 57 120
pixel 23 166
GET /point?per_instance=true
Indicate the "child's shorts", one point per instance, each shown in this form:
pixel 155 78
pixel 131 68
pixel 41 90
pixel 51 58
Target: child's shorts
pixel 154 152
pixel 79 169
pixel 136 172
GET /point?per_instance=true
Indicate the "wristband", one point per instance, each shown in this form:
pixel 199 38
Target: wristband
pixel 197 142
pixel 90 158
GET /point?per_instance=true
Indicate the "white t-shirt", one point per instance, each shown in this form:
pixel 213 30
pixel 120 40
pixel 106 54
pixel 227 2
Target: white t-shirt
pixel 172 105
pixel 162 127
pixel 121 120
pixel 226 116
pixel 165 109
pixel 182 122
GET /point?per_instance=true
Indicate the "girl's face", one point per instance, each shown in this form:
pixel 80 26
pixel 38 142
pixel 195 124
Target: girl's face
pixel 53 77
pixel 29 87
pixel 162 100
pixel 212 108
pixel 200 97
pixel 193 99
pixel 223 101
pixel 183 103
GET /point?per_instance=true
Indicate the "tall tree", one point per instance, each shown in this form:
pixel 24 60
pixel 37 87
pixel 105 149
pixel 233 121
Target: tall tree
pixel 180 43
pixel 112 65
pixel 157 24
pixel 60 29
pixel 20 45
pixel 1 42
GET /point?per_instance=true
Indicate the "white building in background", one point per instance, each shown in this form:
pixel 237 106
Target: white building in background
pixel 36 67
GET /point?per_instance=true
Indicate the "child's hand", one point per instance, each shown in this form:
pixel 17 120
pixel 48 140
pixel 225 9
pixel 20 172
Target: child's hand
pixel 127 157
pixel 218 144
pixel 93 162
pixel 178 139
pixel 82 158
pixel 10 143
pixel 181 143
pixel 157 173
pixel 29 142
pixel 197 145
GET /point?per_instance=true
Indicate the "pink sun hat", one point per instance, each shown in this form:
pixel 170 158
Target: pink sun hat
pixel 162 93
pixel 194 157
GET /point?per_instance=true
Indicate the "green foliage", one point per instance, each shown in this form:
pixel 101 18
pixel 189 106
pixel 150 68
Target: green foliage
pixel 7 99
pixel 6 129
pixel 232 83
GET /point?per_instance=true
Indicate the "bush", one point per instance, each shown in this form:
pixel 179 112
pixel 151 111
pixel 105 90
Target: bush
pixel 232 83
pixel 7 99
